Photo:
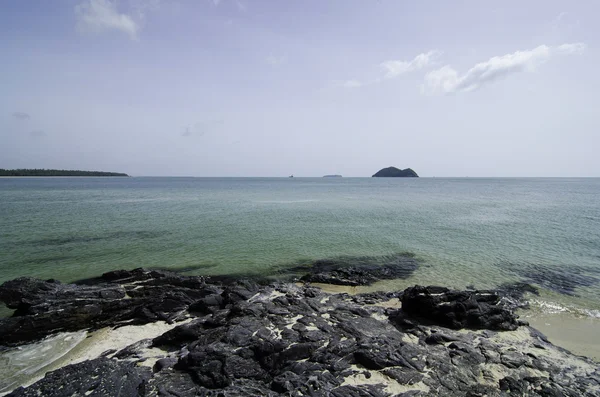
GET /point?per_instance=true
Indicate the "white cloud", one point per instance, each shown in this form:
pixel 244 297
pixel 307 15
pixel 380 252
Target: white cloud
pixel 275 60
pixel 241 6
pixel 395 68
pixel 448 80
pixel 101 15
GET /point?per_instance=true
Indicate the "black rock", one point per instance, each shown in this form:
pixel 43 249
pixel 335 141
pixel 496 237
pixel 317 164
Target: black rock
pixel 459 309
pixel 246 339
pixel 439 338
pixel 47 307
pixel 96 378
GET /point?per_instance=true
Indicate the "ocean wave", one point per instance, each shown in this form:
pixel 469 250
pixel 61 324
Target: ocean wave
pixel 592 313
pixel 549 307
pixel 556 308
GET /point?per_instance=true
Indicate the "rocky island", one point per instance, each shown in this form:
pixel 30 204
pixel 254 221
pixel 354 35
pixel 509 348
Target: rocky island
pixel 225 336
pixel 396 173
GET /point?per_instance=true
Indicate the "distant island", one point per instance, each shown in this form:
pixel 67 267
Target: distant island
pixel 332 176
pixel 45 172
pixel 396 173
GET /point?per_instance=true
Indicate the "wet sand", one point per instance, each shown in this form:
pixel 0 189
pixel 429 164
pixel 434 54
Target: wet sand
pixel 580 335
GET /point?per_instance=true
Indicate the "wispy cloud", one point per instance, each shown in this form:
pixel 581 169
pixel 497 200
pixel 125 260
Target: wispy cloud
pixel 142 7
pixel 572 48
pixel 241 6
pixel 448 80
pixel 275 60
pixel 395 68
pixel 565 22
pixel 560 16
pixel 21 116
pixel 100 16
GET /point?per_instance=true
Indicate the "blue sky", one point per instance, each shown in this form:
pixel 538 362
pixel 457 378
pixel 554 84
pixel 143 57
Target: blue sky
pixel 271 88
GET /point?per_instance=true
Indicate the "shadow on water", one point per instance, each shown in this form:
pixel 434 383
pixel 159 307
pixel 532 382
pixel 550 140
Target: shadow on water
pixel 185 269
pixel 350 270
pixel 368 268
pixel 128 235
pixel 564 279
pixel 336 270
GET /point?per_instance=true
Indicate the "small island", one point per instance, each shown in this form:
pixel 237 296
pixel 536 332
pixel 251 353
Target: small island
pixel 332 176
pixel 49 172
pixel 395 173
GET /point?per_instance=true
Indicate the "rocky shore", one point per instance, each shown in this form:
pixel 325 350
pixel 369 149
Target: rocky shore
pixel 231 337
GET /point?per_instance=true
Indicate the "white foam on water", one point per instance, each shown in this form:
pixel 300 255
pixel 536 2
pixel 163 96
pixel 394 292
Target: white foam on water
pixel 549 307
pixel 592 313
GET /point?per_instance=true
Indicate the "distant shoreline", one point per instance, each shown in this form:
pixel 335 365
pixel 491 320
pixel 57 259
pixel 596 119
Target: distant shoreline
pixel 37 172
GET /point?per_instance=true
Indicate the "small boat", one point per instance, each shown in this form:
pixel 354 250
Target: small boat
pixel 291 176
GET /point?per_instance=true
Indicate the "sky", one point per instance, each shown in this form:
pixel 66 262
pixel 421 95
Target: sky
pixel 315 87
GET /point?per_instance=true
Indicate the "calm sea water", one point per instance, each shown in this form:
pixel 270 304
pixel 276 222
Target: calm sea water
pixel 467 231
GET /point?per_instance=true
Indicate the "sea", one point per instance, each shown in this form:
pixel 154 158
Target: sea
pixel 464 232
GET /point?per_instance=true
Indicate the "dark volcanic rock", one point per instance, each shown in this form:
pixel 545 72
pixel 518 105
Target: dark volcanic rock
pixel 98 378
pixel 249 340
pixel 359 270
pixel 459 309
pixel 396 172
pixel 47 307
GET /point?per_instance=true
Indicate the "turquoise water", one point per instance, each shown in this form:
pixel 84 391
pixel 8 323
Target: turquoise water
pixel 466 231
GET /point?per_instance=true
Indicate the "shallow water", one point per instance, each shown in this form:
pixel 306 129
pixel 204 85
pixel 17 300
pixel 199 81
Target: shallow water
pixel 464 232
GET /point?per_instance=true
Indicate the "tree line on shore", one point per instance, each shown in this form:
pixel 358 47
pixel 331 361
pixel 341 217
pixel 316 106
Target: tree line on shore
pixel 51 172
